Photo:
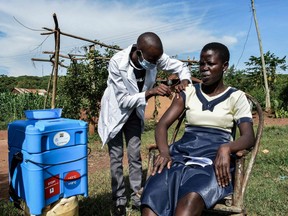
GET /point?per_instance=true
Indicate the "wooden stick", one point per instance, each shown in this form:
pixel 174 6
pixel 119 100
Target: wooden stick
pixel 85 39
pixel 55 72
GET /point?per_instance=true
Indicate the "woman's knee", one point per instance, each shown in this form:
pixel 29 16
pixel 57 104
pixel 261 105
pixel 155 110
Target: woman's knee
pixel 190 204
pixel 146 211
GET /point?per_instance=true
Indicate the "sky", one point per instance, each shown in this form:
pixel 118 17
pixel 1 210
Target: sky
pixel 184 27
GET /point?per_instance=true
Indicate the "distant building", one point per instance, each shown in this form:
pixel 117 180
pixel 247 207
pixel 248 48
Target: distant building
pixel 33 91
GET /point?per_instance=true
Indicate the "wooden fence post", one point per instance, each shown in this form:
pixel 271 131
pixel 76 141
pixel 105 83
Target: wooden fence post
pixel 56 57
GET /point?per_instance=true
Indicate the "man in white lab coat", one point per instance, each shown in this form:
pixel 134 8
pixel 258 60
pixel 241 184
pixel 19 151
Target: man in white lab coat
pixel 132 75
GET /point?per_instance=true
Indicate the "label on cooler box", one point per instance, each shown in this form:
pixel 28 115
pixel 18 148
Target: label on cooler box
pixel 72 179
pixel 52 186
pixel 61 138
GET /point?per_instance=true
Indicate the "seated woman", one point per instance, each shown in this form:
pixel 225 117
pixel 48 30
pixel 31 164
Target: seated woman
pixel 176 188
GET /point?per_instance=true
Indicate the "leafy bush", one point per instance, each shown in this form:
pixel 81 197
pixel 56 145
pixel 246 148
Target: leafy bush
pixel 83 86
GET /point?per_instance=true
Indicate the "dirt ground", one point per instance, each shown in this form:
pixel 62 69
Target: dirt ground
pixel 92 160
pixel 3 165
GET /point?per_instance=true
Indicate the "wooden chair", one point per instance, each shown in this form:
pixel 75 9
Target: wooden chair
pixel 234 204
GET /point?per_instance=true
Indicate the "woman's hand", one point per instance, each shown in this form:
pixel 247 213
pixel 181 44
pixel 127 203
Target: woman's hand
pixel 222 165
pixel 162 160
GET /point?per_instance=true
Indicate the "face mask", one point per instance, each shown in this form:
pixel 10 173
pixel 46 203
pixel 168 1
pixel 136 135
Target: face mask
pixel 144 63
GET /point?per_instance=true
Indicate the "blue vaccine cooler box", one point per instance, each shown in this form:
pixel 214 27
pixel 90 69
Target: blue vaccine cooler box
pixel 47 158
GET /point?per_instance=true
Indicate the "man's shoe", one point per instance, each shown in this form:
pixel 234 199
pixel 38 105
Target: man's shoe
pixel 119 210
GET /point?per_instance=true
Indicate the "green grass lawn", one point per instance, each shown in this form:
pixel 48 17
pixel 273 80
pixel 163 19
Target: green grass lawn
pixel 268 187
pixel 267 192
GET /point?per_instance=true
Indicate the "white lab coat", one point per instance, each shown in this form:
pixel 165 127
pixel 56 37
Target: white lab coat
pixel 122 94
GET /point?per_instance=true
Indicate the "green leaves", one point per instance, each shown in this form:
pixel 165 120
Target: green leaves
pixel 273 65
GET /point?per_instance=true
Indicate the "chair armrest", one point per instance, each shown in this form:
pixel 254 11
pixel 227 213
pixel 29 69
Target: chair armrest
pixel 152 147
pixel 242 153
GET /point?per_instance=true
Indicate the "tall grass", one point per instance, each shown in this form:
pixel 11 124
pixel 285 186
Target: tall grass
pixel 267 192
pixel 13 106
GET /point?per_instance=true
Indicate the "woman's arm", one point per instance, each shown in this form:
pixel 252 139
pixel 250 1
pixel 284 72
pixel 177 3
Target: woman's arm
pixel 161 134
pixel 222 161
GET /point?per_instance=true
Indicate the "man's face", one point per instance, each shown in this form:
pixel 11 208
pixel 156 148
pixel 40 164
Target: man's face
pixel 146 64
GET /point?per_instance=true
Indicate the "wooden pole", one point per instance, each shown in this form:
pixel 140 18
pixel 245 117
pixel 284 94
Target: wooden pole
pixel 49 60
pixel 85 39
pixel 72 56
pixel 101 58
pixel 268 103
pixel 48 88
pixel 56 57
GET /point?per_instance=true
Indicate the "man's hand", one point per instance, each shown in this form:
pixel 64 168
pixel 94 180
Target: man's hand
pixel 160 90
pixel 180 87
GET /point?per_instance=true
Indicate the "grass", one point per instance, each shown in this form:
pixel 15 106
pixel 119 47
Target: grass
pixel 268 187
pixel 267 192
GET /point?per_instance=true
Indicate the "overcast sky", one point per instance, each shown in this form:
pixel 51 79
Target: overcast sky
pixel 183 25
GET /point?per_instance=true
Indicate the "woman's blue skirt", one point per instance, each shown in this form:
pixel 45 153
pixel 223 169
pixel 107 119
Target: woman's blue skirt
pixel 162 191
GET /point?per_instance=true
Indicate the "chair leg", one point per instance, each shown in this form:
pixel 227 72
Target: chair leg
pixel 151 159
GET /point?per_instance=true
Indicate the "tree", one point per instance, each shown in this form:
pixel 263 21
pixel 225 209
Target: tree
pixel 272 64
pixel 33 82
pixel 237 79
pixel 7 83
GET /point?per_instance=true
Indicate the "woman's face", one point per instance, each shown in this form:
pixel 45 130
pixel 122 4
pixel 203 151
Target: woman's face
pixel 211 67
